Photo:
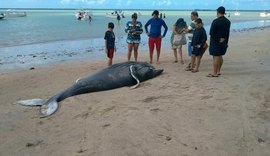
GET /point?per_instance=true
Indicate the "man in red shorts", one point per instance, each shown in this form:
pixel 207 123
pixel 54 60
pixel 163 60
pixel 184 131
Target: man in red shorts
pixel 154 35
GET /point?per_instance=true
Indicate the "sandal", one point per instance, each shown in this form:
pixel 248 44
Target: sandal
pixel 211 75
pixel 194 71
pixel 188 69
pixel 175 61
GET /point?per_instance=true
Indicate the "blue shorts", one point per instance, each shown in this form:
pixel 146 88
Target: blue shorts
pixel 197 52
pixel 189 49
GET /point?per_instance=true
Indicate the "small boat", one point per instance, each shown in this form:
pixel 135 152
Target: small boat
pixel 265 14
pixel 83 15
pixel 115 14
pixel 236 13
pixel 14 13
pixel 2 15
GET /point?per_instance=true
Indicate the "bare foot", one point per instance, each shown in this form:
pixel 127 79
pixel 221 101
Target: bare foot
pixel 182 62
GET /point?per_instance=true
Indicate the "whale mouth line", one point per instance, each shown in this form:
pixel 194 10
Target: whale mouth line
pixel 132 74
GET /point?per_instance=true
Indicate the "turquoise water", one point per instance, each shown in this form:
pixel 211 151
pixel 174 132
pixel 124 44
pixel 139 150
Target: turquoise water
pixel 55 35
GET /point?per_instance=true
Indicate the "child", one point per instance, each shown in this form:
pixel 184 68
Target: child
pixel 198 42
pixel 110 43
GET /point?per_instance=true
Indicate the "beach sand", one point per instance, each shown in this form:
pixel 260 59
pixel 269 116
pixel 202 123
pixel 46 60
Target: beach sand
pixel 176 114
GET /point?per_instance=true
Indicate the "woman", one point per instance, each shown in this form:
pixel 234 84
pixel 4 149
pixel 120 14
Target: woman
pixel 178 29
pixel 134 30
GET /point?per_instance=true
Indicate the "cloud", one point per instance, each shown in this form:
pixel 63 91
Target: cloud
pixel 162 3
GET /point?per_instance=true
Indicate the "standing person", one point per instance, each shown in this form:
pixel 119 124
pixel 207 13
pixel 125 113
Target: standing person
pixel 179 28
pixel 118 17
pixel 154 35
pixel 194 15
pixel 198 41
pixel 110 43
pixel 134 30
pixel 219 37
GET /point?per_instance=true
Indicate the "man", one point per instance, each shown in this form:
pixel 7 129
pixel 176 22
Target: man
pixel 219 37
pixel 194 15
pixel 155 34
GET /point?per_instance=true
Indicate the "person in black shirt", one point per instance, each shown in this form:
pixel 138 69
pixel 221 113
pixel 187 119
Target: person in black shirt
pixel 219 32
pixel 197 44
pixel 110 43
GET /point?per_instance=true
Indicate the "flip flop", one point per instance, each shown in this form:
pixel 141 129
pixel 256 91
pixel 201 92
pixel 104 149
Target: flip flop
pixel 211 75
pixel 194 71
pixel 188 69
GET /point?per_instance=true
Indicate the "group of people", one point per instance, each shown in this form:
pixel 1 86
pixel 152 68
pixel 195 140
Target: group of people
pixel 195 32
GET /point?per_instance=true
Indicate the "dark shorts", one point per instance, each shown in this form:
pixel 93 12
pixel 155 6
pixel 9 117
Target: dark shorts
pixel 218 49
pixel 197 52
pixel 110 53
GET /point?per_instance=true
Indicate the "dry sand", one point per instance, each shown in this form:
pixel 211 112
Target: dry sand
pixel 176 114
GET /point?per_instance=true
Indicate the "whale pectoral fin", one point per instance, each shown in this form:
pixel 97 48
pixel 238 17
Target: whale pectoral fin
pixel 77 80
pixel 32 102
pixel 131 69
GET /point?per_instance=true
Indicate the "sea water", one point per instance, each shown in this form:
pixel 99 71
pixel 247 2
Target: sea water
pixel 45 36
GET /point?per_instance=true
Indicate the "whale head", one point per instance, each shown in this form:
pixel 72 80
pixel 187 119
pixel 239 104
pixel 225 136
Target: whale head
pixel 145 71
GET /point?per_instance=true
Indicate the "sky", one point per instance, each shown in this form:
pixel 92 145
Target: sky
pixel 139 4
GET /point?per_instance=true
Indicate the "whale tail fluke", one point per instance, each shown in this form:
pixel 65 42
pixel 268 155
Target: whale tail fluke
pixel 32 102
pixel 47 108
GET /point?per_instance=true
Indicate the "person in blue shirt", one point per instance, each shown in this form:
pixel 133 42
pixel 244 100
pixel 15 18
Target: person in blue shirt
pixel 154 35
pixel 134 30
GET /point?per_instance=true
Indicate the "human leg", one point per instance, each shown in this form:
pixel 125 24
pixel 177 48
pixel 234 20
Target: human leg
pixel 175 55
pixel 192 61
pixel 215 64
pixel 219 65
pixel 136 47
pixel 158 47
pixel 130 46
pixel 109 61
pixel 151 43
pixel 181 55
pixel 110 56
pixel 189 54
pixel 198 62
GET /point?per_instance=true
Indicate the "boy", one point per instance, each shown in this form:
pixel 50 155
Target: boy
pixel 198 41
pixel 110 43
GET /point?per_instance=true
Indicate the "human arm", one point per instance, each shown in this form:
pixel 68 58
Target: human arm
pixel 174 30
pixel 106 42
pixel 139 28
pixel 128 27
pixel 146 27
pixel 165 27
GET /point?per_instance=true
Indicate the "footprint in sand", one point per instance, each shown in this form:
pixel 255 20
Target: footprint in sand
pixel 206 97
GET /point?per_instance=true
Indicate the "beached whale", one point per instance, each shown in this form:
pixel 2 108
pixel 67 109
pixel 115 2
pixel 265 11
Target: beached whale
pixel 115 76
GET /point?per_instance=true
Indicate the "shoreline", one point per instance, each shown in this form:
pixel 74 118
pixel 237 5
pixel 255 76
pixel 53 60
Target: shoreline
pixel 48 53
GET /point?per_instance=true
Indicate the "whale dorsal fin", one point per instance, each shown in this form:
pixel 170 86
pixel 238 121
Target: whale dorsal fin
pixel 131 69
